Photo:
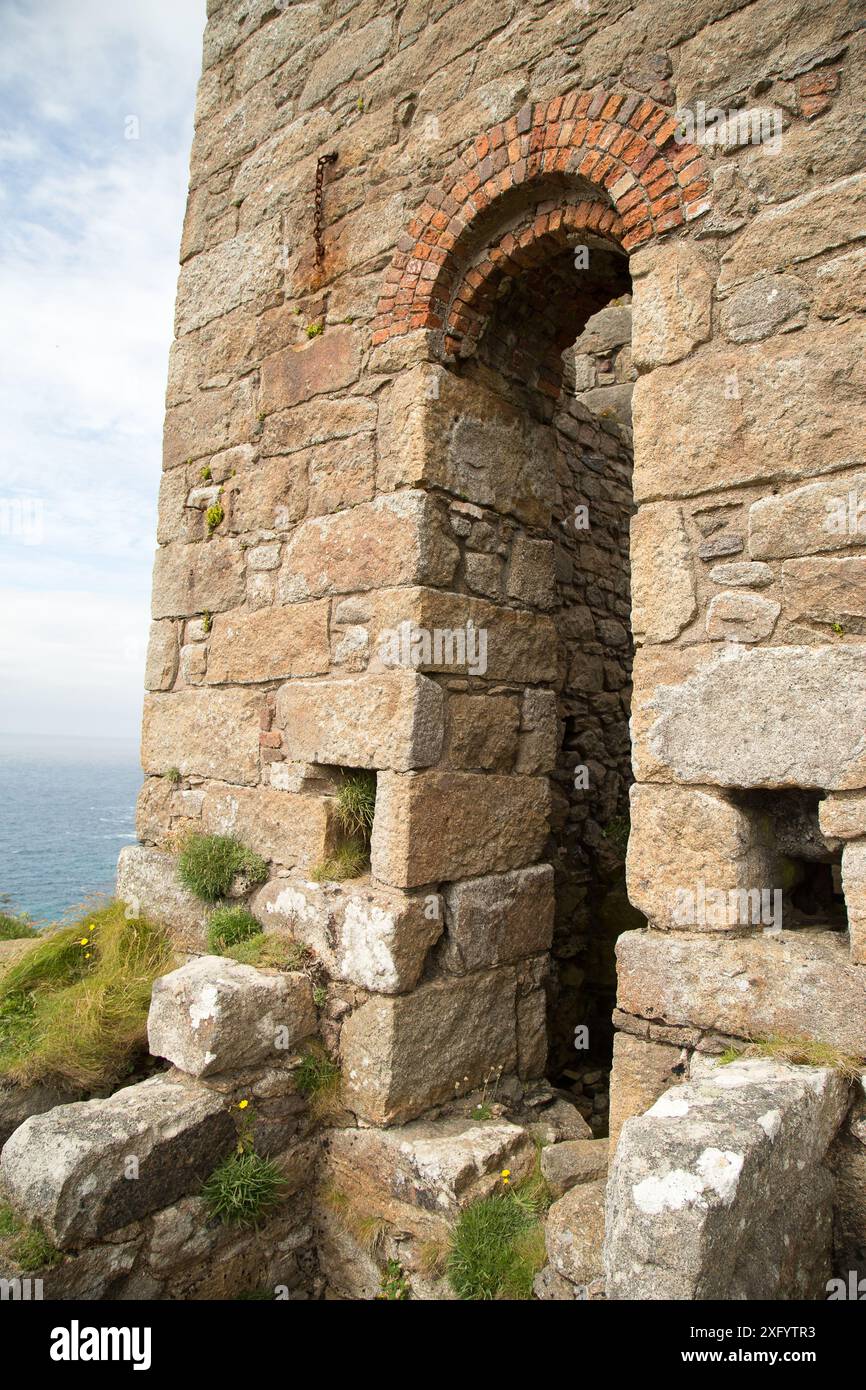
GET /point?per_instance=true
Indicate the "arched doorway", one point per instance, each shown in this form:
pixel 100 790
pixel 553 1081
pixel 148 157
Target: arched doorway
pixel 521 250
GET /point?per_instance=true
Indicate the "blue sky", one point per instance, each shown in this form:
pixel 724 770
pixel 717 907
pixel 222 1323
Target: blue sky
pixel 90 224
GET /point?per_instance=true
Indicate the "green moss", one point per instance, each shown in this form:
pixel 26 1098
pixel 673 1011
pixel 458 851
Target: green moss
pixel 207 864
pixel 315 329
pixel 244 1189
pixel 173 775
pixel 28 1246
pixel 214 516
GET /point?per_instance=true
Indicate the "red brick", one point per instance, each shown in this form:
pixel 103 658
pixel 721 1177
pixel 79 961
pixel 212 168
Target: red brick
pixel 670 220
pixel 659 186
pixel 692 171
pixel 695 191
pixel 660 205
pixel 637 236
pixel 665 131
pixel 643 112
pixel 683 154
pixel 634 216
pixel 653 123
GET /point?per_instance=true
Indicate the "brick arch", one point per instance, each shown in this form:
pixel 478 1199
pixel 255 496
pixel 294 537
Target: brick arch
pixel 643 181
pixel 540 233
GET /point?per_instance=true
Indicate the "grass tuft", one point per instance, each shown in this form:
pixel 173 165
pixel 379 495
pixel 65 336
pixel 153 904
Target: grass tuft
pixel 319 1079
pixel 356 804
pixel 244 1189
pixel 74 1009
pixel 349 861
pixel 801 1052
pixel 15 926
pixel 268 951
pixel 207 864
pixel 356 807
pixel 367 1228
pixel 497 1247
pixel 317 1073
pixel 33 1250
pixel 230 926
pixel 28 1246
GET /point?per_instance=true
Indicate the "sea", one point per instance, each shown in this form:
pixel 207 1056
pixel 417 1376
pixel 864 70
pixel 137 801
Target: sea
pixel 67 806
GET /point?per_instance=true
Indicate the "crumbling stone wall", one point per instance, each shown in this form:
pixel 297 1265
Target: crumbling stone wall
pixel 384 448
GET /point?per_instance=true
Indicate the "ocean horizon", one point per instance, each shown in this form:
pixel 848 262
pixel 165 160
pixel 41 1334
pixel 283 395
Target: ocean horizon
pixel 67 806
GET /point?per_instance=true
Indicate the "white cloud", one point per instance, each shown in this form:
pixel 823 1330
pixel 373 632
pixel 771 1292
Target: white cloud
pixel 71 662
pixel 88 265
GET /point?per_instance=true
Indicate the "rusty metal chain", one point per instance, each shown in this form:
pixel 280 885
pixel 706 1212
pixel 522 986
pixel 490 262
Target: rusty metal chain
pixel 317 228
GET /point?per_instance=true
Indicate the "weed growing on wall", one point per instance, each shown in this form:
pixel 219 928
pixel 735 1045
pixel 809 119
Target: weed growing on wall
pixel 266 951
pixel 801 1052
pixel 229 926
pixel 207 865
pixel 349 861
pixel 318 1073
pixel 395 1286
pixel 356 803
pixel 244 1189
pixel 356 807
pixel 498 1243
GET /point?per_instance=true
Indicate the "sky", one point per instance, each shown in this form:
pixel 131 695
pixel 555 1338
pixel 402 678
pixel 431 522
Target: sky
pixel 96 104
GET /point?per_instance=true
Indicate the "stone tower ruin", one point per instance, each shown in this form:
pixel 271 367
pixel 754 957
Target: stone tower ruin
pixel 514 457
